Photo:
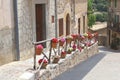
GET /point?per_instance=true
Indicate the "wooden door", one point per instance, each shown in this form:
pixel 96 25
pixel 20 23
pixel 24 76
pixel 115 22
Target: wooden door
pixel 67 24
pixel 61 27
pixel 83 24
pixel 40 22
pixel 79 25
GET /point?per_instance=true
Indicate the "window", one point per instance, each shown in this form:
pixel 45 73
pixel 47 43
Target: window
pixel 61 27
pixel 116 19
pixel 115 3
pixel 83 24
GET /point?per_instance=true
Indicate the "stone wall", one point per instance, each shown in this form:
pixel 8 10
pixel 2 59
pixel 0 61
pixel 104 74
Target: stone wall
pixel 67 7
pixel 7 39
pixel 70 61
pixel 25 28
pixel 80 11
pixel 51 26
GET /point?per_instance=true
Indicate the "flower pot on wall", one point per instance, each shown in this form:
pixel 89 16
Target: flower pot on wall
pixel 69 39
pixel 38 49
pixel 61 41
pixel 45 62
pixel 69 50
pixel 56 59
pixel 54 43
pixel 44 65
pixel 63 54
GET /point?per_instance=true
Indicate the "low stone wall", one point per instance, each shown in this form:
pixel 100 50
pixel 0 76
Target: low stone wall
pixel 70 61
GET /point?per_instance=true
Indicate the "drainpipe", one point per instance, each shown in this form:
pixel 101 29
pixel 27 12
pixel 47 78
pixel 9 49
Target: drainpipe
pixel 74 12
pixel 56 29
pixel 17 55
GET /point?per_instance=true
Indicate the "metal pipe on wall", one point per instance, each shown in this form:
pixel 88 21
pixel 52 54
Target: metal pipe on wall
pixel 17 55
pixel 56 28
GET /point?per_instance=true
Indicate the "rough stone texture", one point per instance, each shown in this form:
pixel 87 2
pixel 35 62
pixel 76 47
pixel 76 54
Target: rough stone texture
pixel 14 70
pixel 80 11
pixel 67 7
pixel 51 12
pixel 25 28
pixel 74 59
pixel 7 51
pixel 112 10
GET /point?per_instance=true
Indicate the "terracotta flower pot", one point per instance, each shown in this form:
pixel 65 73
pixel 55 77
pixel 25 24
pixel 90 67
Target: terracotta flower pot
pixel 75 36
pixel 54 45
pixel 44 65
pixel 45 62
pixel 56 59
pixel 69 52
pixel 54 42
pixel 61 43
pixel 63 54
pixel 68 41
pixel 38 49
pixel 74 47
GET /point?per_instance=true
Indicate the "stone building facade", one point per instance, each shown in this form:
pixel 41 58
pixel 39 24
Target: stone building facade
pixel 7 38
pixel 114 24
pixel 26 21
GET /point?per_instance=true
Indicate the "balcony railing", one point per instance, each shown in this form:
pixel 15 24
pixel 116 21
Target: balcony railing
pixel 61 48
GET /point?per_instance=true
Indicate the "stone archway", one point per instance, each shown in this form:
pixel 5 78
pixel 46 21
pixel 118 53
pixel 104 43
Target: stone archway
pixel 67 24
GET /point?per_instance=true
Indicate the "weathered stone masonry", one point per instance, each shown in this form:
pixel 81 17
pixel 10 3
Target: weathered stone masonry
pixel 25 28
pixel 7 39
pixel 26 24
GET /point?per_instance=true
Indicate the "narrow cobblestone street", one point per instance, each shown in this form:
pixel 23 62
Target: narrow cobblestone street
pixel 102 66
